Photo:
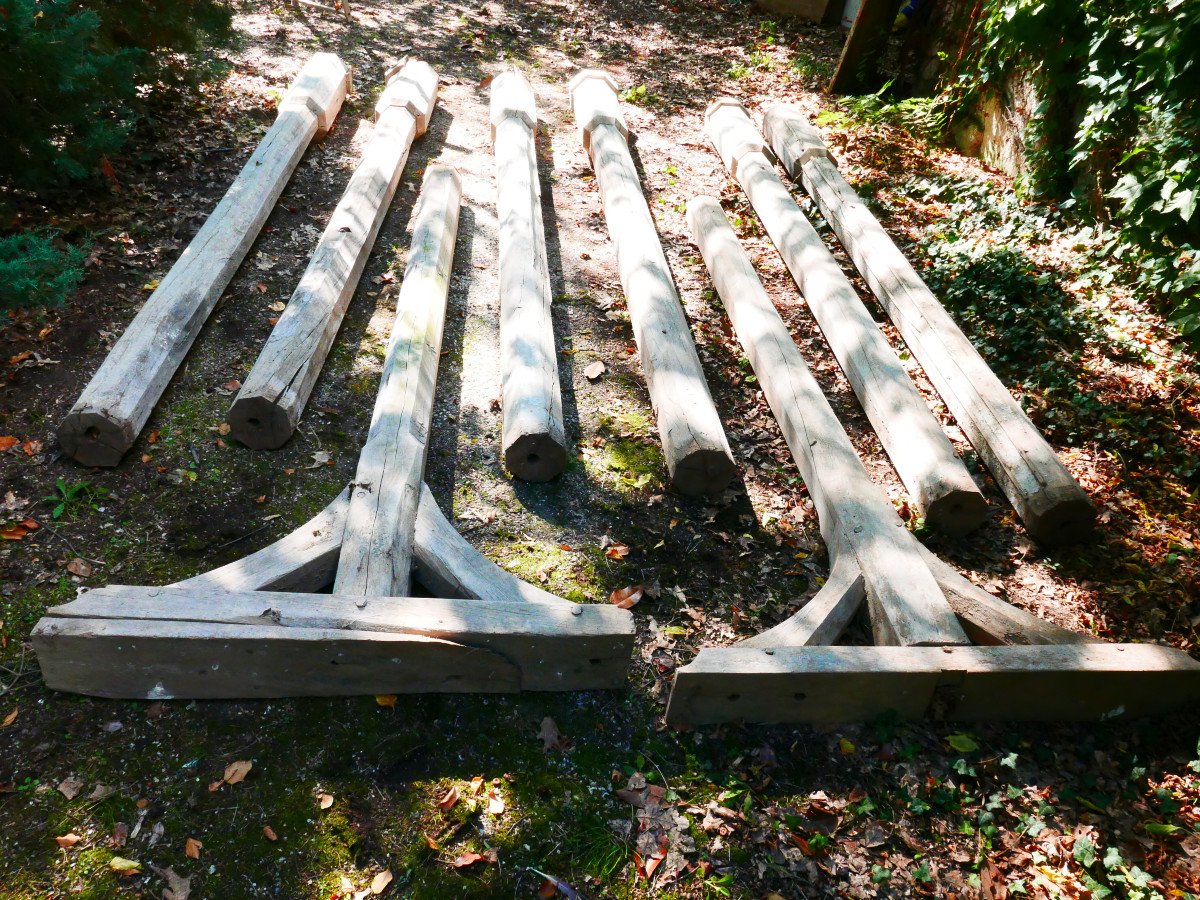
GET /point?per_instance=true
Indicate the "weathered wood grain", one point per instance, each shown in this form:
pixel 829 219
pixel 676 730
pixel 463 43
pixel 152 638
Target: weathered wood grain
pixel 151 660
pixel 273 396
pixel 907 607
pixel 697 452
pixel 935 477
pixel 1089 682
pixel 1054 508
pixel 377 544
pixel 113 408
pixel 822 619
pixel 533 441
pixel 555 646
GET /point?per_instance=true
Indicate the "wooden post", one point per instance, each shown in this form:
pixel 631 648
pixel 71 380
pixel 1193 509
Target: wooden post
pixel 858 70
pixel 1051 503
pixel 113 408
pixel 935 477
pixel 697 452
pixel 377 545
pixel 907 607
pixel 534 441
pixel 274 394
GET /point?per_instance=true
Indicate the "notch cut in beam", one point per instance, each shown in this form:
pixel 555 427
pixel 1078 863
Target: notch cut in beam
pixel 273 396
pixel 550 646
pixel 696 449
pixel 1054 508
pixel 114 407
pixel 1089 682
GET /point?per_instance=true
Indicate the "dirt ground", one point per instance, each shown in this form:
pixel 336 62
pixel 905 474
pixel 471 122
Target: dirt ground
pixel 342 791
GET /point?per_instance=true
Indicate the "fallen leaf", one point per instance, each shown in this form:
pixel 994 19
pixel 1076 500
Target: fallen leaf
pixel 223 428
pixel 70 787
pixel 495 802
pixel 594 371
pixel 101 792
pixel 262 288
pixel 476 785
pixel 549 734
pixel 120 835
pixel 388 701
pixel 269 833
pixel 14 533
pixel 449 800
pixel 278 306
pixel 146 457
pixel 32 447
pixel 430 842
pixel 124 866
pixel 466 859
pixel 81 567
pixel 627 597
pixel 380 882
pixel 20 357
pixel 617 551
pixel 233 385
pixel 237 771
pixel 7 442
pixel 321 458
pixel 325 800
pixel 68 840
pixel 191 848
pixel 10 718
pixel 152 437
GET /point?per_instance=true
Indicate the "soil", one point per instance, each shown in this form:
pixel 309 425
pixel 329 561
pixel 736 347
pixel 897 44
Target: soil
pixel 885 809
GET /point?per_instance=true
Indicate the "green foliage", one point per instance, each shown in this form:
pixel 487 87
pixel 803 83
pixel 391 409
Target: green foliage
pixel 36 271
pixel 1118 123
pixel 78 75
pixel 69 497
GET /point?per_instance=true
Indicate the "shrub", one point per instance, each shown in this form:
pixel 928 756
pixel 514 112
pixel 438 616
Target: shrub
pixel 37 270
pixel 77 75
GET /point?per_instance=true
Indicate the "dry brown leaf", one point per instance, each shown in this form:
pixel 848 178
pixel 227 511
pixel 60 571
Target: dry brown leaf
pixel 388 701
pixel 70 787
pixel 215 786
pixel 7 442
pixel 269 833
pixel 449 800
pixel 476 785
pixel 617 551
pixel 81 567
pixel 32 447
pixel 192 847
pixel 380 882
pixel 466 859
pixel 178 887
pixel 11 717
pixel 152 437
pixel 325 800
pixel 495 802
pixel 594 371
pixel 237 771
pixel 146 457
pixel 430 842
pixel 223 428
pixel 233 385
pixel 626 597
pixel 68 840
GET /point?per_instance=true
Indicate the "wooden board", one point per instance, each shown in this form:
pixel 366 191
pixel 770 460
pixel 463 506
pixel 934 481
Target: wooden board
pixel 113 408
pixel 697 452
pixel 273 396
pixel 907 605
pixel 533 442
pixel 935 477
pixel 151 660
pixel 1049 501
pixel 854 684
pixel 555 646
pixel 377 544
pixel 822 619
pixel 859 68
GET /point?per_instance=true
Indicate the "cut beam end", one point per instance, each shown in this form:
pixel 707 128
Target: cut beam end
pixel 1059 516
pixel 413 86
pixel 260 423
pixel 321 87
pixel 512 97
pixel 957 512
pixel 703 472
pixel 93 438
pixel 535 457
pixel 797 141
